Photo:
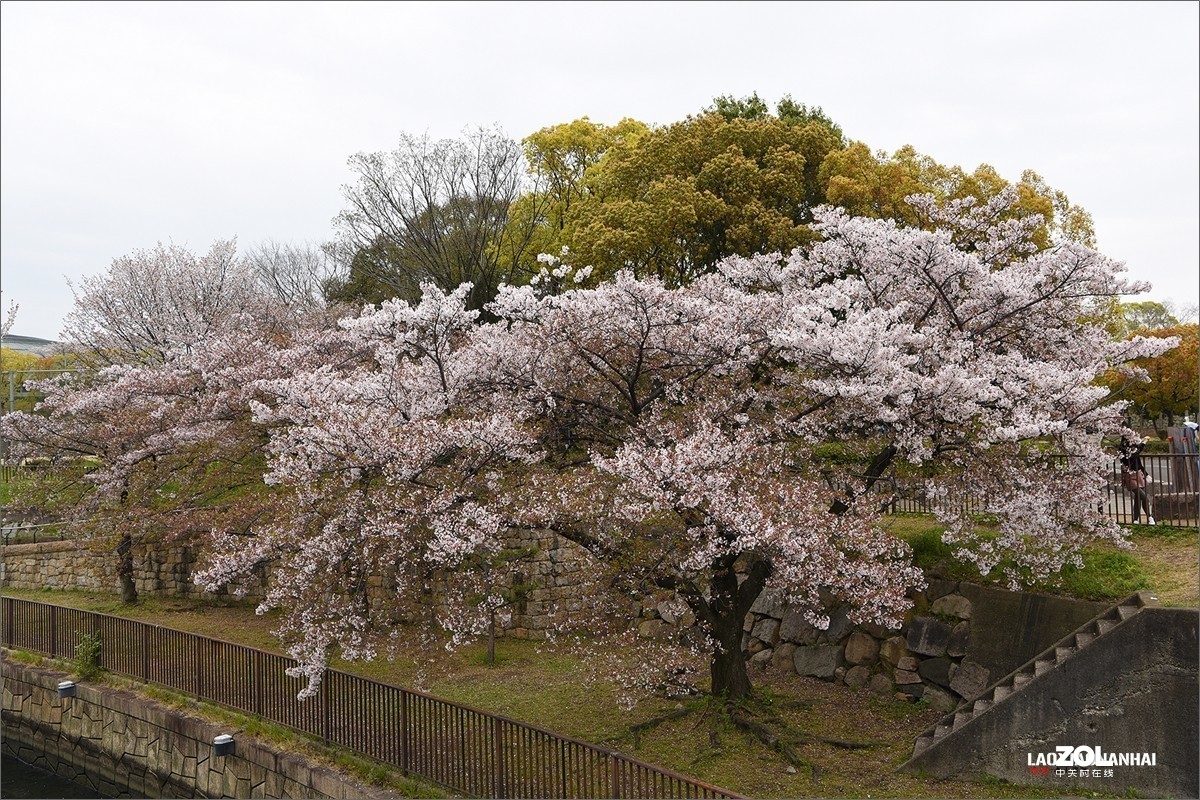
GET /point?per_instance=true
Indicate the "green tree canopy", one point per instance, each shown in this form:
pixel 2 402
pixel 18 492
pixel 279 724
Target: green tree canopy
pixel 1163 387
pixel 875 185
pixel 673 201
pixel 1145 315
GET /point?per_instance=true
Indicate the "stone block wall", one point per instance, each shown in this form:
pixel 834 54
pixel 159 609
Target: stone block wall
pixel 162 571
pixel 556 574
pixel 940 653
pixel 125 745
pixel 54 565
pixel 943 652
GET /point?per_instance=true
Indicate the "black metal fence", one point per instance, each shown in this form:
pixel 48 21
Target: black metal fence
pixel 18 533
pixel 1172 493
pixel 464 749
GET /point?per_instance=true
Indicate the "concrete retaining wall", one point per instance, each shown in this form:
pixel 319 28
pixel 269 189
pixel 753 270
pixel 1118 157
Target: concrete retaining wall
pixel 125 745
pixel 1134 690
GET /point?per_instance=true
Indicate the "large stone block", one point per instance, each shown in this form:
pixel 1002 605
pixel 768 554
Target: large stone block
pixel 857 677
pixel 654 629
pixel 939 587
pixel 970 679
pixel 782 656
pixel 939 698
pixel 817 661
pixel 769 603
pixel 960 640
pixel 767 630
pixel 839 626
pixel 928 636
pixel 952 605
pixel 880 684
pixel 936 670
pixel 861 649
pixel 795 628
pixel 892 649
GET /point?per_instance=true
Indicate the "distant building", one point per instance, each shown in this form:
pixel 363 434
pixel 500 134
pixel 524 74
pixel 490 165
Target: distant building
pixel 32 345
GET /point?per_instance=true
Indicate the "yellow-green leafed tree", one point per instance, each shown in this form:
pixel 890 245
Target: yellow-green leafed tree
pixel 562 163
pixel 673 201
pixel 875 185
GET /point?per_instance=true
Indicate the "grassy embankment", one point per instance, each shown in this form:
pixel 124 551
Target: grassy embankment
pixel 546 688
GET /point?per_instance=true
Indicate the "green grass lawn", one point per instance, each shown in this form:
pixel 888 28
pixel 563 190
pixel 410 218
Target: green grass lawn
pixel 1163 559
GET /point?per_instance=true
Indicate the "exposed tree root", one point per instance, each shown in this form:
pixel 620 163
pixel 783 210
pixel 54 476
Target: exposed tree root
pixel 768 737
pixel 638 728
pixel 842 743
pixel 757 719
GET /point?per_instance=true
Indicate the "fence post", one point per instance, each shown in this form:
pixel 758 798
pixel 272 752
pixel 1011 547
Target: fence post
pixel 562 766
pixel 8 621
pixel 54 631
pixel 145 653
pixel 325 709
pixel 256 682
pixel 614 789
pixel 404 731
pixel 497 761
pixel 199 661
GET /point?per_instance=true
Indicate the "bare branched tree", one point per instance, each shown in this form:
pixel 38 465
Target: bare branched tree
pixel 437 210
pixel 295 274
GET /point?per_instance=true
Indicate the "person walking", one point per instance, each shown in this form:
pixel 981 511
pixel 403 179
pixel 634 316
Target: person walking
pixel 1133 478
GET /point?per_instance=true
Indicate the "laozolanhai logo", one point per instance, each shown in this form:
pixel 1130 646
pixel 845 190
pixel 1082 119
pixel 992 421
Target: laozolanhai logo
pixel 1085 756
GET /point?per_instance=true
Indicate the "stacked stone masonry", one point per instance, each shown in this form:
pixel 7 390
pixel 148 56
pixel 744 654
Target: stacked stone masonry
pixel 122 744
pixel 942 653
pixel 70 564
pixel 555 574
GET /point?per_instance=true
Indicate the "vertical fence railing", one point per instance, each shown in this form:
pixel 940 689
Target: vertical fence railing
pixel 1172 495
pixel 464 749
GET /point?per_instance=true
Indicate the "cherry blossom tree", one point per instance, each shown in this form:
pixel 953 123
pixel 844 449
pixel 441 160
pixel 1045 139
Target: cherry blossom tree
pixel 155 304
pixel 683 435
pixel 155 442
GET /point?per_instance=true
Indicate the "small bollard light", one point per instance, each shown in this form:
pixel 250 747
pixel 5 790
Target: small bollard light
pixel 66 689
pixel 223 745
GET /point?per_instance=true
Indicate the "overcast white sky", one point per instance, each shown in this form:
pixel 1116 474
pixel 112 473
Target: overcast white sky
pixel 128 124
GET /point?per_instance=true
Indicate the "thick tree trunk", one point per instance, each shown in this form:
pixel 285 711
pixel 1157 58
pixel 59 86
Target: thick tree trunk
pixel 125 570
pixel 724 608
pixel 729 677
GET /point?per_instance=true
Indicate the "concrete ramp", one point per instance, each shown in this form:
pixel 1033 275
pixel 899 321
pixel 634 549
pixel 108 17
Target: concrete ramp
pixel 1111 707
